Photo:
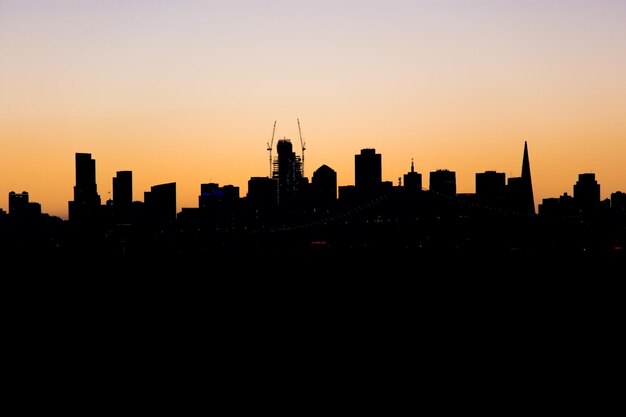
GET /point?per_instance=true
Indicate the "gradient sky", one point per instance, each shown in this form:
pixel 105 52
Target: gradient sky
pixel 187 91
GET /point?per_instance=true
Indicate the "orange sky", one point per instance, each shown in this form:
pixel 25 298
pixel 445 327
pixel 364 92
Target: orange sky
pixel 187 91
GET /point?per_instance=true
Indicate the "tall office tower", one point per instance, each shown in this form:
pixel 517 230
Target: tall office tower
pixel 18 203
pixel 491 187
pixel 520 189
pixel 413 180
pixel 324 186
pixel 288 171
pixel 86 201
pixel 443 181
pixel 123 189
pixel 160 202
pixel 587 191
pixel 368 170
pixel 123 196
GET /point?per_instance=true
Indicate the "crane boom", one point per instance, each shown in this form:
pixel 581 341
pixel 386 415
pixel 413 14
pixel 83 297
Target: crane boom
pixel 301 144
pixel 270 146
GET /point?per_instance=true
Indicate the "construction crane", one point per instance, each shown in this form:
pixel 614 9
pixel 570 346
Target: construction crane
pixel 269 147
pixel 301 144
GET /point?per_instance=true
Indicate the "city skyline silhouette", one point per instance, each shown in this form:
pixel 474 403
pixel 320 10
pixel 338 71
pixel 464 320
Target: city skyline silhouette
pixel 287 212
pixel 316 126
pixel 188 91
pixel 525 172
pixel 186 175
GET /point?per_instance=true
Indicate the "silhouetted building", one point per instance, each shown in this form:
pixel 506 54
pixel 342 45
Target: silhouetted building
pixel 122 195
pixel 443 181
pixel 18 203
pixel 231 193
pixel 413 180
pixel 558 207
pixel 86 203
pixel 209 194
pixel 324 186
pixel 212 193
pixel 262 192
pixel 529 198
pixel 367 170
pixel 160 202
pixel 287 171
pixel 520 190
pixel 20 206
pixel 491 187
pixel 123 189
pixel 618 201
pixel 587 191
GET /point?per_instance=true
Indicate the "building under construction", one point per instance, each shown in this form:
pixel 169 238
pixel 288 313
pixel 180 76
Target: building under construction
pixel 287 170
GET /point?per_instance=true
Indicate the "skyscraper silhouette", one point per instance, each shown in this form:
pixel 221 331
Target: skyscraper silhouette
pixel 160 202
pixel 262 192
pixel 123 189
pixel 413 180
pixel 527 183
pixel 587 191
pixel 520 189
pixel 212 194
pixel 18 203
pixel 491 187
pixel 443 181
pixel 367 170
pixel 86 201
pixel 122 195
pixel 324 185
pixel 288 171
pixel 618 201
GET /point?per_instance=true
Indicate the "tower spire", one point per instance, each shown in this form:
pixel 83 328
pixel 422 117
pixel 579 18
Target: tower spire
pixel 412 167
pixel 527 181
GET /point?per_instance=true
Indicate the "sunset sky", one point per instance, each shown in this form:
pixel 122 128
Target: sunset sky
pixel 188 91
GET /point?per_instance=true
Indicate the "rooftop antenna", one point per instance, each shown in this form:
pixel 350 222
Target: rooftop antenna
pixel 269 147
pixel 303 144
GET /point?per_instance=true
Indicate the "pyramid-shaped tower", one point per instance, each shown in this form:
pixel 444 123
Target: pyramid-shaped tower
pixel 527 183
